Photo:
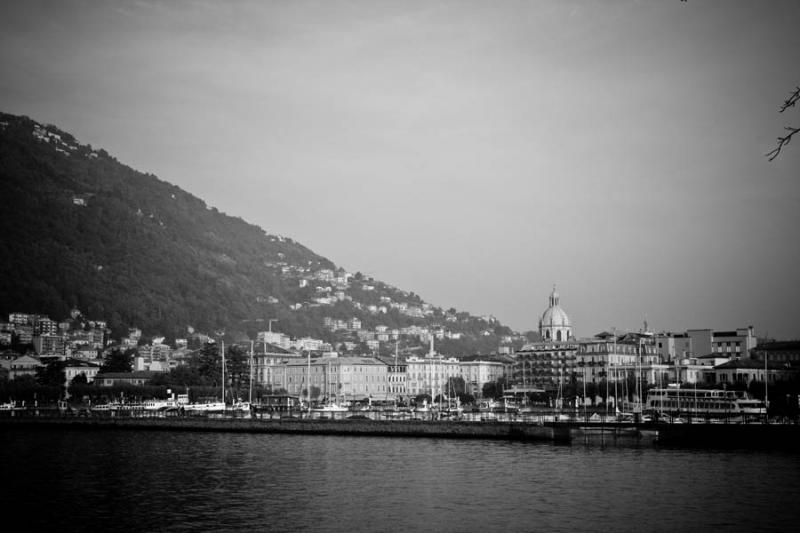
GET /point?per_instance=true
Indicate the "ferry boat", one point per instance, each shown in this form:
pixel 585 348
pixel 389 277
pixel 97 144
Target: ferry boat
pixel 710 402
pixel 205 407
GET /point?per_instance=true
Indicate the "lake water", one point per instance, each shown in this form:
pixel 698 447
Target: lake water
pixel 180 481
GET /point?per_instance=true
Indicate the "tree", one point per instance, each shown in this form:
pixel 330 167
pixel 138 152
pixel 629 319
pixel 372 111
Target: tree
pixel 455 386
pixel 207 363
pixel 783 141
pixel 237 367
pixel 51 375
pixel 118 361
pixel 494 389
pixel 315 392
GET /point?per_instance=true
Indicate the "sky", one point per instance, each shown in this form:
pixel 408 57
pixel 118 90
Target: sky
pixel 475 152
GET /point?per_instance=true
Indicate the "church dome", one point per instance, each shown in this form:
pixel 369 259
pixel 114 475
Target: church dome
pixel 555 316
pixel 555 323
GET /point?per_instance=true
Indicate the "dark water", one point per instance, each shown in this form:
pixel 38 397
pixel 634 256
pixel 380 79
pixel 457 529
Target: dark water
pixel 172 481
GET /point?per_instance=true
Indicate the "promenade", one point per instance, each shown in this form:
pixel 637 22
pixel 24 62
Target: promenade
pixel 707 435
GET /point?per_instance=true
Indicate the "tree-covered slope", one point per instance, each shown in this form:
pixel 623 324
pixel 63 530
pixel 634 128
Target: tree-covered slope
pixel 79 229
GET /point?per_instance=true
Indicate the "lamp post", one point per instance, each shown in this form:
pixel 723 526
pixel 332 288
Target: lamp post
pixel 766 388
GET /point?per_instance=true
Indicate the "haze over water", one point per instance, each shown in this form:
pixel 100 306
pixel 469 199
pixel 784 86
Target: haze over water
pixel 176 481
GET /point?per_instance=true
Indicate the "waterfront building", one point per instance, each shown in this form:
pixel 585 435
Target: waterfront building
pixel 109 379
pixel 545 364
pixel 778 352
pixel 551 361
pixel 76 367
pixel 616 358
pixel 396 378
pixel 745 371
pixel 24 365
pixel 269 365
pixel 478 371
pixel 430 374
pixel 337 379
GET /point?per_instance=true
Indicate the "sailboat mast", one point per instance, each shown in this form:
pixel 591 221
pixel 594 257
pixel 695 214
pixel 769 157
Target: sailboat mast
pixel 223 371
pixel 250 398
pixel 395 373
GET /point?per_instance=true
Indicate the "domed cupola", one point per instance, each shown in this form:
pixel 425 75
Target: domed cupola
pixel 555 324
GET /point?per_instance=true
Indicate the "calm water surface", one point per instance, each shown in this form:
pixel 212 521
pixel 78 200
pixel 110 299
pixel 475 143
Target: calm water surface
pixel 174 481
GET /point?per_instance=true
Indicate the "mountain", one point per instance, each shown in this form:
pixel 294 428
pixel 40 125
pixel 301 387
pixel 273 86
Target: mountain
pixel 82 230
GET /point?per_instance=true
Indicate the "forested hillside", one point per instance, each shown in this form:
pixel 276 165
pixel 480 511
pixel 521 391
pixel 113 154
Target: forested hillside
pixel 82 230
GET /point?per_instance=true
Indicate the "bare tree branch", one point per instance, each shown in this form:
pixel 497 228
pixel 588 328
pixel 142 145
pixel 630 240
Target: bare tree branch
pixel 782 141
pixel 791 100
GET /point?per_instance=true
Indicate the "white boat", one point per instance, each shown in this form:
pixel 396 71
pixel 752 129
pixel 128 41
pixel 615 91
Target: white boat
pixel 158 405
pixel 205 407
pixel 329 408
pixel 704 402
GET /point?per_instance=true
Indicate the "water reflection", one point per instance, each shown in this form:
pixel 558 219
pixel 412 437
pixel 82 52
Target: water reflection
pixel 158 481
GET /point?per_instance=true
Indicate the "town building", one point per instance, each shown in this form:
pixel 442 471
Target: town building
pixel 109 379
pixel 75 367
pixel 24 365
pixel 335 379
pixel 476 372
pixel 48 344
pixel 778 352
pixel 612 357
pixel 698 342
pixel 746 371
pixel 430 374
pixel 396 378
pixel 548 362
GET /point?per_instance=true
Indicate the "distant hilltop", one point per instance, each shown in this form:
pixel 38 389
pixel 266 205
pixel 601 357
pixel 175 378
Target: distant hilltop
pixel 83 231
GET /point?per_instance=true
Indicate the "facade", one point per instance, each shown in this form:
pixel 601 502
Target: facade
pixel 396 374
pixel 336 379
pixel 749 370
pixel 609 357
pixel 544 364
pixel 74 368
pixel 23 366
pixel 548 362
pixel 49 344
pixel 735 343
pixel 778 352
pixel 269 362
pixel 109 379
pixel 478 372
pixel 699 342
pixel 430 375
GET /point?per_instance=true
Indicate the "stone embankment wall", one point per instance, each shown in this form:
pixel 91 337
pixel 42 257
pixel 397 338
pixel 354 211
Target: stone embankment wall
pixel 402 428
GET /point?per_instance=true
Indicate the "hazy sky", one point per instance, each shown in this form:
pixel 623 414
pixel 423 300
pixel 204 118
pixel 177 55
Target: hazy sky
pixel 474 152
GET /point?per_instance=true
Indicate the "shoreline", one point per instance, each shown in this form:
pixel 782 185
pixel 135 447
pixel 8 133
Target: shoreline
pixel 784 437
